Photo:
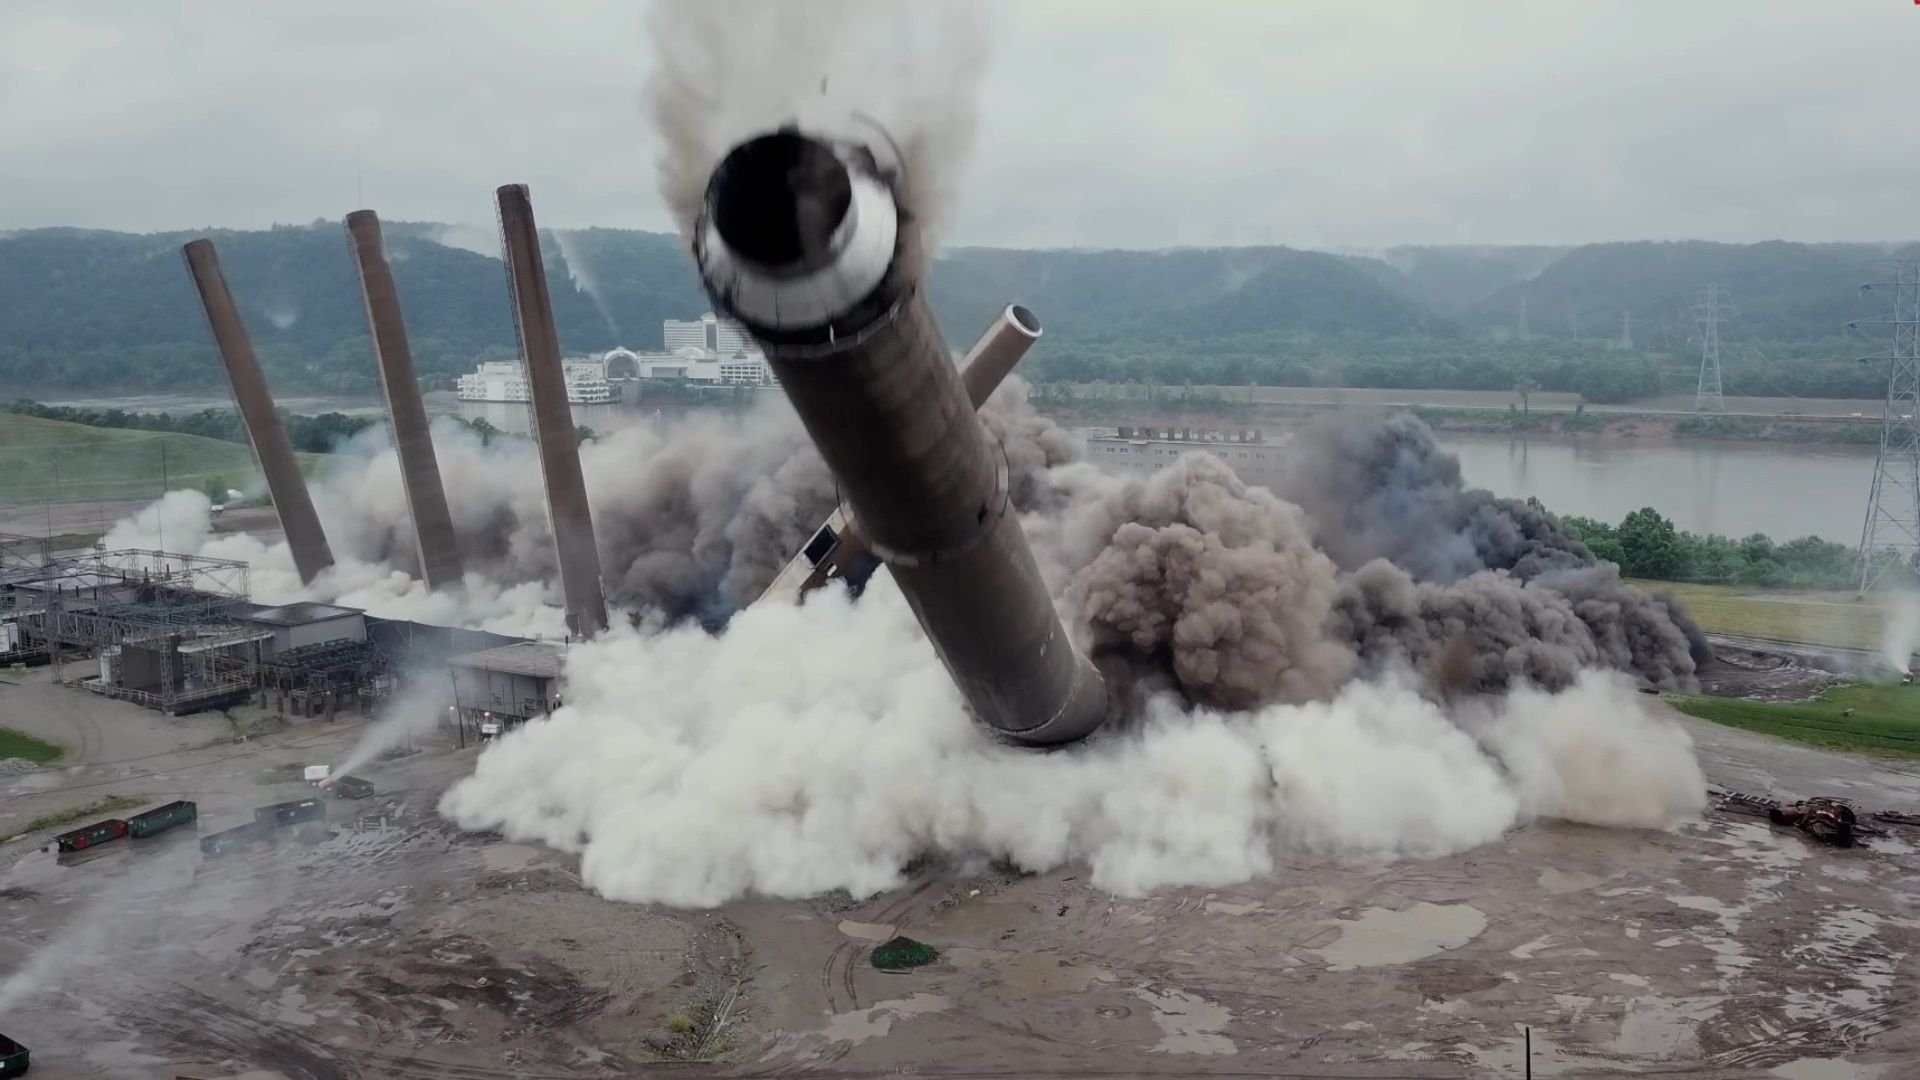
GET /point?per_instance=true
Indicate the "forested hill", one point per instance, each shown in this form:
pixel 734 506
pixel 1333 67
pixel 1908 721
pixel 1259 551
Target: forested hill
pixel 109 311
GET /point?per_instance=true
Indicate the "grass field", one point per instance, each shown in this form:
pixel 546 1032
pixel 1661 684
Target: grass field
pixel 1884 720
pixel 109 805
pixel 38 751
pixel 63 462
pixel 1819 618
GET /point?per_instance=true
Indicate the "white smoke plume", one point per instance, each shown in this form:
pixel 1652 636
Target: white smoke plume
pixel 725 70
pixel 1901 631
pixel 478 239
pixel 413 712
pixel 744 777
pixel 583 278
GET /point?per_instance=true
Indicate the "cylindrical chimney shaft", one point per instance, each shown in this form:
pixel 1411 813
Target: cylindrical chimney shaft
pixel 419 468
pixel 285 485
pixel 553 429
pixel 802 243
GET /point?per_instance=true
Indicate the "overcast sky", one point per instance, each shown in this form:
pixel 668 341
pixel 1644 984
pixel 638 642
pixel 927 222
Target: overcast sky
pixel 1102 122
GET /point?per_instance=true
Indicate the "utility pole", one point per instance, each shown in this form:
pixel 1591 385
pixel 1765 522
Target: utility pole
pixel 1708 314
pixel 1891 535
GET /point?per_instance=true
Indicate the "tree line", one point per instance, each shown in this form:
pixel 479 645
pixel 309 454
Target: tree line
pixel 313 434
pixel 1646 545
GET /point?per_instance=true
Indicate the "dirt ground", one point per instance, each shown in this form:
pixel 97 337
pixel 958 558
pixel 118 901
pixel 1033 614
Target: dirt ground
pixel 388 945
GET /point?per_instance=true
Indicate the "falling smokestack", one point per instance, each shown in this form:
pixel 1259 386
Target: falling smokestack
pixel 838 548
pixel 271 447
pixel 553 430
pixel 802 242
pixel 419 470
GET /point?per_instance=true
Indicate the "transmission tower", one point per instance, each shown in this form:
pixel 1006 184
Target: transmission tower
pixel 1626 332
pixel 1708 313
pixel 1891 535
pixel 1521 331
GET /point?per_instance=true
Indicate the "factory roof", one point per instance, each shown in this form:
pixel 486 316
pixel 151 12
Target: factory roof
pixel 538 659
pixel 301 614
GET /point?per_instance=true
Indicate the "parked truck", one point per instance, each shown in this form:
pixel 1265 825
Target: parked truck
pixel 87 836
pixel 161 818
pixel 350 787
pixel 291 813
pixel 13 1058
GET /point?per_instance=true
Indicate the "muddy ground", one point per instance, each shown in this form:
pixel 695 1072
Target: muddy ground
pixel 388 945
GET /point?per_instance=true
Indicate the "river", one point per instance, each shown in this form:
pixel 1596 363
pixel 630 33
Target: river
pixel 1732 488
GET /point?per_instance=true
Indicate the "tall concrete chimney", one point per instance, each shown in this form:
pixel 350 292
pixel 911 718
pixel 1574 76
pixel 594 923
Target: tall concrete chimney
pixel 838 549
pixel 285 485
pixel 553 431
pixel 419 469
pixel 802 242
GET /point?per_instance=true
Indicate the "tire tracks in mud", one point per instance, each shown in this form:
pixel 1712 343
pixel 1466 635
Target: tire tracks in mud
pixel 842 961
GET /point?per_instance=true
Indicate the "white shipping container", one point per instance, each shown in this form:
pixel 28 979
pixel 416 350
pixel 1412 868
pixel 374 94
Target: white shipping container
pixel 317 772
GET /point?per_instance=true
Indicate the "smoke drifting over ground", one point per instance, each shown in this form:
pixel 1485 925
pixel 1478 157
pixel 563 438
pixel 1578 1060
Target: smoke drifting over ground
pixel 742 776
pixel 693 518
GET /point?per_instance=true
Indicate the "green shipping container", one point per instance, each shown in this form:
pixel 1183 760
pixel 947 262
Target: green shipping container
pixel 291 813
pixel 161 818
pixel 13 1058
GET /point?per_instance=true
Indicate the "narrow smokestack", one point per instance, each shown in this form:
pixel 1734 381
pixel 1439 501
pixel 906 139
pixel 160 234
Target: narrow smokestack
pixel 419 469
pixel 553 431
pixel 271 447
pixel 803 243
pixel 986 365
pixel 982 371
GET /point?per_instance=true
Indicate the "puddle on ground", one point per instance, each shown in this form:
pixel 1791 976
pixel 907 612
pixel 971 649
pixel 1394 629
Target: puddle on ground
pixel 862 1024
pixel 868 931
pixel 1382 936
pixel 1561 882
pixel 1188 1024
pixel 505 858
pixel 1044 973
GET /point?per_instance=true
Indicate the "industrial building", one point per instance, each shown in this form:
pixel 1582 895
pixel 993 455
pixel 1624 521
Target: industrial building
pixel 508 684
pixel 1148 449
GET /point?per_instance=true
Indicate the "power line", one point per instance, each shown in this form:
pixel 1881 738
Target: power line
pixel 1711 310
pixel 1890 536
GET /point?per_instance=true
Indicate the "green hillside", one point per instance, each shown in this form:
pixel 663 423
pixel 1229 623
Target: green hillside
pixel 52 459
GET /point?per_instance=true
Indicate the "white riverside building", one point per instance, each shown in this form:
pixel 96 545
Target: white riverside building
pixel 506 381
pixel 707 351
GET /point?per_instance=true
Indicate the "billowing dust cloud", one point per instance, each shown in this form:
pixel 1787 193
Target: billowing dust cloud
pixel 740 775
pixel 693 518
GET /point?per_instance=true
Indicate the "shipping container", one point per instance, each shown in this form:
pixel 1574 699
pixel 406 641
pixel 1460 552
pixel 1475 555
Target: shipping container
pixel 240 836
pixel 291 813
pixel 13 1058
pixel 351 787
pixel 161 818
pixel 91 835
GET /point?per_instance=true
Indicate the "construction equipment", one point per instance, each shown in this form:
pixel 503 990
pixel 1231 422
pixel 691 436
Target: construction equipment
pixel 93 835
pixel 161 818
pixel 14 1058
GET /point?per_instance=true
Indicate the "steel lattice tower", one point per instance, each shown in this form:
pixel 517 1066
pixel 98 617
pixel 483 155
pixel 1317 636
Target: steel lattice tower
pixel 1891 535
pixel 1709 312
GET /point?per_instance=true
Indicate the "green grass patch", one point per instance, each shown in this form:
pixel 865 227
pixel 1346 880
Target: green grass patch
pixel 1884 720
pixel 67 462
pixel 101 808
pixel 18 744
pixel 1819 618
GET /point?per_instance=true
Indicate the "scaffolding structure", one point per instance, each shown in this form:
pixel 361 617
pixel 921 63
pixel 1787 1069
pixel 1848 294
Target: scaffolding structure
pixel 1890 537
pixel 324 677
pixel 174 615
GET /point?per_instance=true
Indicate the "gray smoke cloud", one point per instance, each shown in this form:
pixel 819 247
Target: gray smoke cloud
pixel 1239 599
pixel 1386 490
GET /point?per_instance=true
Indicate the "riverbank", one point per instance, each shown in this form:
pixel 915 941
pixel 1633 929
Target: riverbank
pixel 1824 422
